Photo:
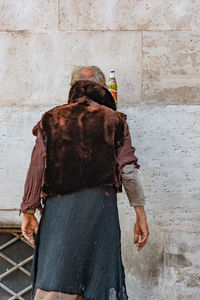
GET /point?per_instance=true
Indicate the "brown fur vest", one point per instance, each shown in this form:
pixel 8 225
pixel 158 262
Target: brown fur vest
pixel 81 140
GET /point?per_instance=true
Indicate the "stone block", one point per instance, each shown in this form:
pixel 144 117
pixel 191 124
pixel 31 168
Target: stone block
pixel 129 15
pixel 36 68
pixel 35 15
pixel 167 144
pixel 171 68
pixel 167 149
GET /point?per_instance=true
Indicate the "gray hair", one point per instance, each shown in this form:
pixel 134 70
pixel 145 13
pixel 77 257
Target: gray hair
pixel 98 77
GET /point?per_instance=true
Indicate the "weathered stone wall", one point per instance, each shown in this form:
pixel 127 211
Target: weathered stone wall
pixel 154 47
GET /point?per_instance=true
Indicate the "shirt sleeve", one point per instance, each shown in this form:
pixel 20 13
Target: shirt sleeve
pixel 32 187
pixel 128 169
pixel 133 185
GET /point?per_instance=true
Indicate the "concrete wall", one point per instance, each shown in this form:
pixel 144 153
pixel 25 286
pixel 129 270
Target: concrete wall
pixel 154 47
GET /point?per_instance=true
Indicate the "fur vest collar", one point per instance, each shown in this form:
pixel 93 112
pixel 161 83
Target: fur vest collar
pixel 81 140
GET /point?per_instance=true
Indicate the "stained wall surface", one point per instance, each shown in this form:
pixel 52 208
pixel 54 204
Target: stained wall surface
pixel 154 47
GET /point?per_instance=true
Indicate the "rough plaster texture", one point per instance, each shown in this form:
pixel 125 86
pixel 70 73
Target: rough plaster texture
pixel 129 15
pixel 154 48
pixel 181 265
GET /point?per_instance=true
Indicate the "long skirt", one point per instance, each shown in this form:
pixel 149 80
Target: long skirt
pixel 77 253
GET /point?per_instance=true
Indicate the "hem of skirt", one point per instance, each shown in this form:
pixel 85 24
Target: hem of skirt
pixel 109 294
pixel 47 292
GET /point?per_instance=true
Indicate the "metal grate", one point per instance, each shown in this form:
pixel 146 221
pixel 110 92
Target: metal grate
pixel 16 256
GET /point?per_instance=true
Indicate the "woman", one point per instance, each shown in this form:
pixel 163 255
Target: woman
pixel 83 155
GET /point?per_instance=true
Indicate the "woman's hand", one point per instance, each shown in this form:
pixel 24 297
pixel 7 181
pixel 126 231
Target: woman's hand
pixel 140 228
pixel 29 226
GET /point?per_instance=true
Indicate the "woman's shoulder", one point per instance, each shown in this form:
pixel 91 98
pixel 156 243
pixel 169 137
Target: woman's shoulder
pixel 123 115
pixel 38 132
pixel 36 129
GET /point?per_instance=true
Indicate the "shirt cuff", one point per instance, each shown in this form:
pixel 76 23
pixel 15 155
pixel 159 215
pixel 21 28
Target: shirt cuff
pixel 25 207
pixel 30 210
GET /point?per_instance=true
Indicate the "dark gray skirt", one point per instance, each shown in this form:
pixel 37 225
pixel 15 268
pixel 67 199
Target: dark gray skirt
pixel 78 246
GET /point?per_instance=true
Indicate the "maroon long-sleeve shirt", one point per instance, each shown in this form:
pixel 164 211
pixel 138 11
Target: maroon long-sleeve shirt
pixel 32 188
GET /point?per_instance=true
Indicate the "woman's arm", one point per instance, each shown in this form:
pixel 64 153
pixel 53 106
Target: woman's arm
pixel 32 187
pixel 128 168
